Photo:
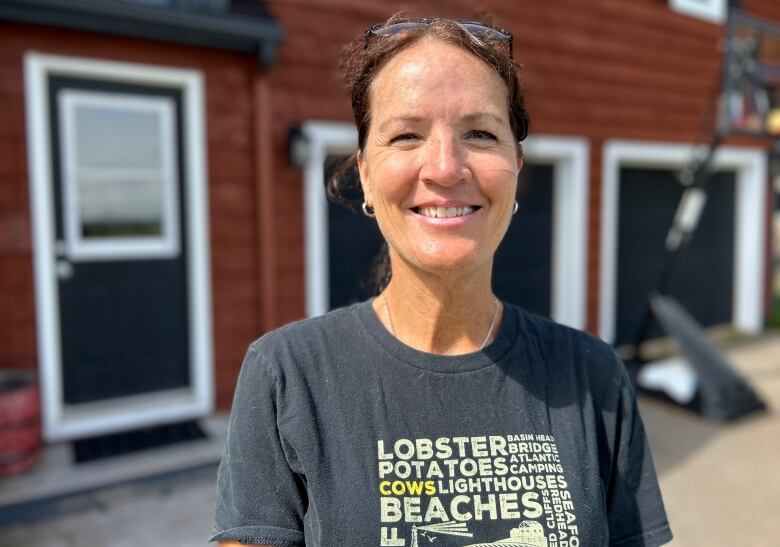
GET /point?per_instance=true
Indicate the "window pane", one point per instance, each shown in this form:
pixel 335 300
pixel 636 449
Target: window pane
pixel 114 204
pixel 117 137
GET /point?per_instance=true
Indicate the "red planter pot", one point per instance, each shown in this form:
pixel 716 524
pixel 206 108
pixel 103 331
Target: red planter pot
pixel 20 422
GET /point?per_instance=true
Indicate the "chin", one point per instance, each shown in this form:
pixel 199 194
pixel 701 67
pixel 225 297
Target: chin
pixel 448 260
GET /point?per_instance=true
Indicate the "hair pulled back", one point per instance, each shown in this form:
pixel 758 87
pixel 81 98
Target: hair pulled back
pixel 363 60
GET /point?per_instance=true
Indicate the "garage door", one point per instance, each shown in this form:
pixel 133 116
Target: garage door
pixel 704 276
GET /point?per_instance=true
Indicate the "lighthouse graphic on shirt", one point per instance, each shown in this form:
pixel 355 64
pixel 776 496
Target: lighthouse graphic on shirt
pixel 448 487
pixel 529 534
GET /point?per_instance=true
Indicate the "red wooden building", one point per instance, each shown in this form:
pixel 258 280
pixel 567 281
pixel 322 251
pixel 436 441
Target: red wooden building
pixel 161 197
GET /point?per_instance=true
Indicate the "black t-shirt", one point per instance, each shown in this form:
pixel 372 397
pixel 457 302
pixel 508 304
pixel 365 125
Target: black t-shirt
pixel 342 435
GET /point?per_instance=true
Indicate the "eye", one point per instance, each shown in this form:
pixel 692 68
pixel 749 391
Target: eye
pixel 404 137
pixel 480 134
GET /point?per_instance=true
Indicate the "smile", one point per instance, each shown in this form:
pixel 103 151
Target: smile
pixel 445 212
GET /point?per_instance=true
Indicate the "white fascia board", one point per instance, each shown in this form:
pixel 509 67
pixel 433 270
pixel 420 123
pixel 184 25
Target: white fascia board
pixel 712 11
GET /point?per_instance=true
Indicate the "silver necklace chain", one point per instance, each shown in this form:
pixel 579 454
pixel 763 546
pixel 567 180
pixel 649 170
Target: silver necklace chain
pixel 484 342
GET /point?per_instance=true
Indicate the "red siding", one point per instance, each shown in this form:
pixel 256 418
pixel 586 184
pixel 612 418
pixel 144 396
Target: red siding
pixel 601 69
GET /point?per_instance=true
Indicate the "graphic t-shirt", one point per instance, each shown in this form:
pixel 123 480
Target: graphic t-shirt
pixel 340 435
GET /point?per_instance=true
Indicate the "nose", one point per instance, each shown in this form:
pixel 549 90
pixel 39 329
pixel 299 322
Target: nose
pixel 444 161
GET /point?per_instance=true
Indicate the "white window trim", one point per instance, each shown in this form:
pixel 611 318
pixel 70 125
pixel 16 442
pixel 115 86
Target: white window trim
pixel 751 167
pixel 62 421
pixel 713 11
pixel 165 245
pixel 570 216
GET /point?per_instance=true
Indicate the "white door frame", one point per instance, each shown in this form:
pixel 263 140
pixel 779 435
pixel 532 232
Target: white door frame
pixel 61 421
pixel 322 139
pixel 750 165
pixel 569 155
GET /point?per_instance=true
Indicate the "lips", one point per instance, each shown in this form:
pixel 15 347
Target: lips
pixel 432 211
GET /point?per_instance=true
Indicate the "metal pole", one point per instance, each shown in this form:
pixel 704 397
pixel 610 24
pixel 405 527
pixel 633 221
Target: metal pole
pixel 679 235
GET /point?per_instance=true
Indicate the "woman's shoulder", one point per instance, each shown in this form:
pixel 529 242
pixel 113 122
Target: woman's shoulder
pixel 309 339
pixel 333 320
pixel 572 351
pixel 552 334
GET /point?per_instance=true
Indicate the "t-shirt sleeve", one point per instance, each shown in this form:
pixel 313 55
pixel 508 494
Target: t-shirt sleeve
pixel 635 508
pixel 260 499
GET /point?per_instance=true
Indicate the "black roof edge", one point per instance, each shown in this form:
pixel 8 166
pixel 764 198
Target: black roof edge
pixel 217 30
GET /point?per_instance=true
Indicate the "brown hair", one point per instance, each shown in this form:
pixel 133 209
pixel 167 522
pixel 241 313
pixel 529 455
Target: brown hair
pixel 363 60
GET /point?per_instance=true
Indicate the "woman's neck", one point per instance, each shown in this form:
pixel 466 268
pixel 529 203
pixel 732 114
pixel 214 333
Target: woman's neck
pixel 449 315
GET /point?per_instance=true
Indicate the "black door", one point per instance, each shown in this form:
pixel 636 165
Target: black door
pixel 121 246
pixel 704 277
pixel 354 244
pixel 522 270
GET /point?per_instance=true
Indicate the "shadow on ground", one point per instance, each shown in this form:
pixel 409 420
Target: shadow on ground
pixel 676 435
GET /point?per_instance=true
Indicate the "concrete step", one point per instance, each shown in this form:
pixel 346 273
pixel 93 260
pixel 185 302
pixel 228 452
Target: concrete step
pixel 57 477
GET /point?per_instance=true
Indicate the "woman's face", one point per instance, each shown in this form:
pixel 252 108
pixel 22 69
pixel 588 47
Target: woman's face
pixel 440 162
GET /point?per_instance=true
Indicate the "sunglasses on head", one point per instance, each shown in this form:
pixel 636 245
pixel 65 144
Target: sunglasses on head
pixel 475 28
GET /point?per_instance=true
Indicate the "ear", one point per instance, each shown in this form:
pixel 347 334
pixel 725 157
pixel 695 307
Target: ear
pixel 520 156
pixel 364 183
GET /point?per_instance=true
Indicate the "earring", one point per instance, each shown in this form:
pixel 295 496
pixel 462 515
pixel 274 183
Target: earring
pixel 516 207
pixel 369 211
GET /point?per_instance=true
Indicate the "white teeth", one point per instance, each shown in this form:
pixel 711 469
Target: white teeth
pixel 445 212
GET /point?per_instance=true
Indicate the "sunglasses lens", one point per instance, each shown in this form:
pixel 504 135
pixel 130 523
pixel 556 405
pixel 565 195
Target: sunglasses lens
pixel 395 28
pixel 488 32
pixel 476 29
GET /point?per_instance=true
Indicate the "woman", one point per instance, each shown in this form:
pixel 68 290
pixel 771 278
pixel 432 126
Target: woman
pixel 435 412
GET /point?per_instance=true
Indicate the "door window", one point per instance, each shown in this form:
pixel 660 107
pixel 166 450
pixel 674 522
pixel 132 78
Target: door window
pixel 119 175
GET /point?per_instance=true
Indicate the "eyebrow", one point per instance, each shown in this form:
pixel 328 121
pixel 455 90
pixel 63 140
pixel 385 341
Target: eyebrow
pixel 474 116
pixel 407 119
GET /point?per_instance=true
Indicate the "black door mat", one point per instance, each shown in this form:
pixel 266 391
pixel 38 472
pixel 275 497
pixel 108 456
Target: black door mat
pixel 95 448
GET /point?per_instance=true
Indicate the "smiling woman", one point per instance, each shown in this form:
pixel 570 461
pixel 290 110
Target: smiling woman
pixel 506 428
pixel 439 167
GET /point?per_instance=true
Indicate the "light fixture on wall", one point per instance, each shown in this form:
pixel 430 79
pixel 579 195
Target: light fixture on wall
pixel 298 150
